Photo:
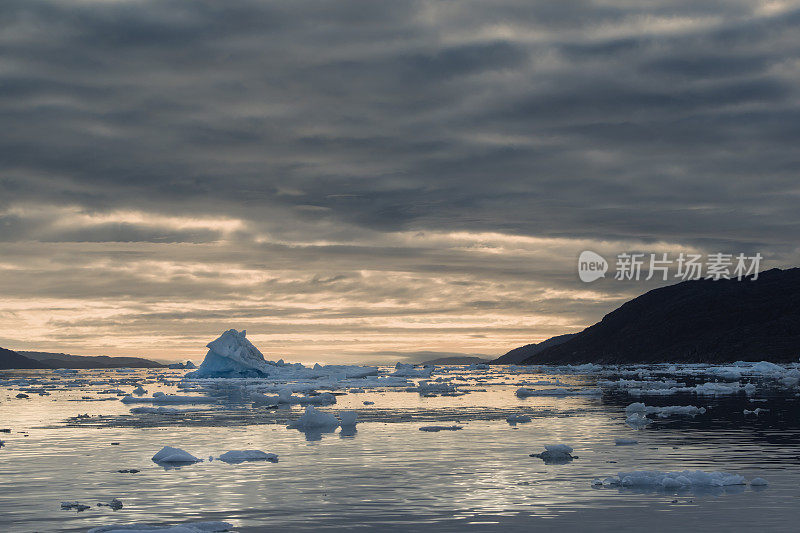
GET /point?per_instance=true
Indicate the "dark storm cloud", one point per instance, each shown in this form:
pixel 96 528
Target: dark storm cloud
pixel 254 136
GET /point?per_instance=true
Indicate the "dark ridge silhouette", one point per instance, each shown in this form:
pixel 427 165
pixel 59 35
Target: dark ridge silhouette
pixel 10 359
pixel 455 360
pixel 529 350
pixel 63 360
pixel 701 321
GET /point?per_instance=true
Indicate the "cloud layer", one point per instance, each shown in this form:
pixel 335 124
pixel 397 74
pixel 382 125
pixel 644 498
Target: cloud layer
pixel 349 179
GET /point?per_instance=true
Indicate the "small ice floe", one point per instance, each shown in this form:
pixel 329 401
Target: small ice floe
pixel 664 412
pixel 157 410
pixel 348 418
pixel 757 411
pixel 524 392
pixel 638 421
pixel 285 396
pixel 356 391
pixel 625 442
pixel 160 397
pixel 687 479
pixel 22 396
pixel 128 471
pixel 758 482
pixel 187 527
pixel 517 419
pixel 314 419
pixel 139 390
pixel 555 454
pixel 411 371
pixel 367 402
pixel 78 506
pixel 115 504
pixel 434 429
pixel 169 455
pixel 240 456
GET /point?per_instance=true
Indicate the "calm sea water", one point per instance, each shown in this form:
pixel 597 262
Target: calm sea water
pixel 388 475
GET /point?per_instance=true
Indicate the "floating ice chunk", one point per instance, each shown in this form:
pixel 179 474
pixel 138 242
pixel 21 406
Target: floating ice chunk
pixel 348 418
pixel 638 421
pixel 765 367
pixel 664 412
pixel 314 419
pixel 157 410
pixel 168 454
pixel 433 429
pixel 367 402
pixel 285 396
pixel 160 397
pixel 188 527
pixel 757 411
pixel 139 390
pixel 240 456
pixel 758 482
pixel 518 419
pixel 411 371
pixel 625 442
pixel 555 454
pixel 675 480
pixel 523 392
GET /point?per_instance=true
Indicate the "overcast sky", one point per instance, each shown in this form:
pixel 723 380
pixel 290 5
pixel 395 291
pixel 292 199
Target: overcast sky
pixel 363 180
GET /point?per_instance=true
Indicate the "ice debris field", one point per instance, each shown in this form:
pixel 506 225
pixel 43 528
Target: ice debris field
pixel 588 432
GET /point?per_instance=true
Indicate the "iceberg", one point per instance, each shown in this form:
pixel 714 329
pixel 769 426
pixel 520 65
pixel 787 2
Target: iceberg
pixel 232 355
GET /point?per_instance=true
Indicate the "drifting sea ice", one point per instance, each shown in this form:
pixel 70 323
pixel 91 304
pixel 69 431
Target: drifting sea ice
pixel 188 527
pixel 157 410
pixel 232 355
pixel 434 429
pixel 410 371
pixel 168 454
pixel 348 418
pixel 523 392
pixel 240 456
pixel 664 412
pixel 625 442
pixel 314 419
pixel 638 421
pixel 160 397
pixel 671 480
pixel 555 454
pixel 518 419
